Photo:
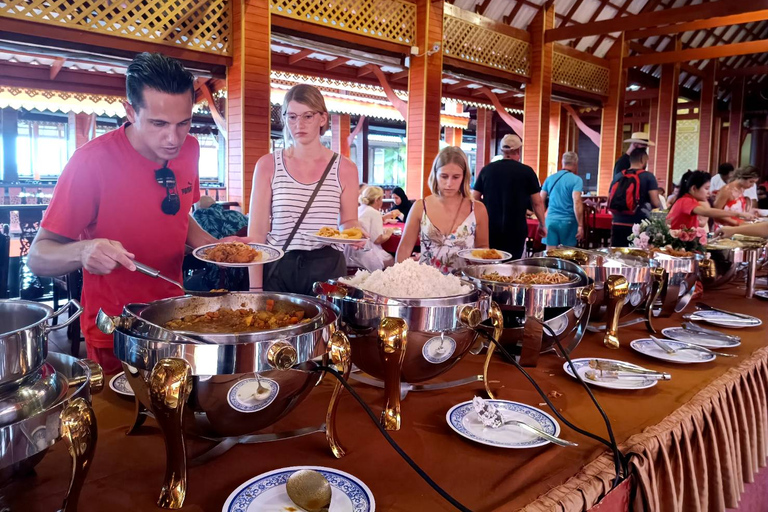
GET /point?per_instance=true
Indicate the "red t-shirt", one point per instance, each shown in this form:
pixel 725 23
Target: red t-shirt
pixel 108 190
pixel 681 214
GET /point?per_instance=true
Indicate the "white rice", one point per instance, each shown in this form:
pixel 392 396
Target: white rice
pixel 408 280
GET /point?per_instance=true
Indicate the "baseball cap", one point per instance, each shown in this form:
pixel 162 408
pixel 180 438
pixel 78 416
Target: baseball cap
pixel 511 142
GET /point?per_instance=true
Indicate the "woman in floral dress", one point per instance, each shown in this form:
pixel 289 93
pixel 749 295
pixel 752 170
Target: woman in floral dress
pixel 448 221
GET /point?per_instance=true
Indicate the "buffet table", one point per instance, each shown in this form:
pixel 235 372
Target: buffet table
pixel 696 439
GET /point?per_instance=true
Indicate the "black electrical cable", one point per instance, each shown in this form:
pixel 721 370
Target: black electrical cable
pixel 450 499
pixel 618 458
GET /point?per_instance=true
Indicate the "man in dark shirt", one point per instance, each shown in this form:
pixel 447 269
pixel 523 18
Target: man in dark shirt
pixel 639 140
pixel 649 198
pixel 506 187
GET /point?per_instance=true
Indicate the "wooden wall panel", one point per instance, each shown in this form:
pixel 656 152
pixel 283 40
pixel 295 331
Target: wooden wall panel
pixel 612 126
pixel 248 96
pixel 538 94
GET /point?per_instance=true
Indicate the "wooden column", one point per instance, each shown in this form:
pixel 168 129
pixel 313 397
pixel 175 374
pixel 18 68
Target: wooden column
pixel 735 122
pixel 666 122
pixel 249 110
pixel 612 125
pixel 707 106
pixel 424 97
pixel 10 131
pixel 538 94
pixel 759 152
pixel 484 139
pixel 365 153
pixel 553 154
pixel 565 135
pixel 454 136
pixel 653 124
pixel 340 134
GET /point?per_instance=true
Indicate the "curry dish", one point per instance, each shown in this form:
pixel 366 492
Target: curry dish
pixel 232 252
pixel 487 254
pixel 347 234
pixel 529 278
pixel 226 320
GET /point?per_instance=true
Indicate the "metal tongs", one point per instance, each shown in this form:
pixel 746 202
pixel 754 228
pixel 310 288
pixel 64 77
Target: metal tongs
pixel 691 327
pixel 615 370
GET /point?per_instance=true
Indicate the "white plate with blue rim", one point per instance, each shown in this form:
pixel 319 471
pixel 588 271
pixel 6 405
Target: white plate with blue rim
pixel 463 419
pixel 582 365
pixel 762 294
pixel 266 492
pixel 684 354
pixel 701 339
pixel 268 254
pixel 467 255
pixel 725 320
pixel 119 384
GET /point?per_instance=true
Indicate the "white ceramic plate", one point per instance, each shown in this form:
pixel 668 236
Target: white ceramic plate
pixel 724 319
pixel 464 421
pixel 700 339
pixel 647 347
pixel 119 385
pixel 762 294
pixel 332 240
pixel 467 255
pixel 266 492
pixel 582 365
pixel 268 255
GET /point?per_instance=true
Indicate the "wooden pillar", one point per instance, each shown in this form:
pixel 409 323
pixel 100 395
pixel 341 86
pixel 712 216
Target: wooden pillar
pixel 365 153
pixel 424 97
pixel 538 94
pixel 340 134
pixel 454 136
pixel 666 122
pixel 653 124
pixel 759 152
pixel 707 106
pixel 9 123
pixel 735 122
pixel 612 125
pixel 249 111
pixel 565 135
pixel 553 154
pixel 484 139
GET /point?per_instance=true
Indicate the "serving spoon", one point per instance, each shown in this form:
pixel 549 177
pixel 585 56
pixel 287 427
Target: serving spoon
pixel 152 272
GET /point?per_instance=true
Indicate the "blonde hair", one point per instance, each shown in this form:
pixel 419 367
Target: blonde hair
pixel 746 173
pixel 450 155
pixel 370 195
pixel 309 96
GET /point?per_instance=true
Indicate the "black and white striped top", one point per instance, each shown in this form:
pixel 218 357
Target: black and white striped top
pixel 289 197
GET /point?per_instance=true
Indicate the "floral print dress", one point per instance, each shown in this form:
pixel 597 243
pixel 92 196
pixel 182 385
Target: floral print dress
pixel 440 250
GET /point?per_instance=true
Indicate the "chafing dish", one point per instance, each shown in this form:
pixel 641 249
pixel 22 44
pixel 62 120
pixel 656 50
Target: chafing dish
pixel 226 390
pixel 526 308
pixel 24 339
pixel 726 258
pixel 403 341
pixel 46 406
pixel 623 281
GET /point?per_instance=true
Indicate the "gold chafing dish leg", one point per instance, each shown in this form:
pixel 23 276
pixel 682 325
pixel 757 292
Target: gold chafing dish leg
pixel 659 282
pixel 140 389
pixel 78 428
pixel 170 384
pixel 498 326
pixel 341 357
pixel 617 289
pixel 393 338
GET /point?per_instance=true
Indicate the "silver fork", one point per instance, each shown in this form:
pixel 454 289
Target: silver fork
pixel 687 346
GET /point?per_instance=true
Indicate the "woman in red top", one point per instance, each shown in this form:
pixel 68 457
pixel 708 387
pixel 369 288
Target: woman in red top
pixel 692 202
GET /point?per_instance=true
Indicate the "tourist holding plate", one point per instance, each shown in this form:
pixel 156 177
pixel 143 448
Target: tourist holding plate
pixel 298 191
pixel 449 220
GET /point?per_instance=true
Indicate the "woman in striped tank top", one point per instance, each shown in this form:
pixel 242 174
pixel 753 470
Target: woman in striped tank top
pixel 283 183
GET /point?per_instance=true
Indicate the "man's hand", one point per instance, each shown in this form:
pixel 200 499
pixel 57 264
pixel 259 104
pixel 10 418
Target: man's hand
pixel 542 230
pixel 580 233
pixel 102 256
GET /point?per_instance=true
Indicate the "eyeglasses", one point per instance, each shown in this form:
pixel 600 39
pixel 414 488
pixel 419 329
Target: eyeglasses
pixel 165 177
pixel 294 118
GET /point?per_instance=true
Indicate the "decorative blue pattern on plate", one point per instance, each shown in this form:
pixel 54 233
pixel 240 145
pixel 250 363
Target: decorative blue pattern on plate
pixel 439 349
pixel 119 384
pixel 461 416
pixel 247 497
pixel 242 396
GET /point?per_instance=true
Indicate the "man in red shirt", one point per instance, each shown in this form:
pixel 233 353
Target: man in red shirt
pixel 125 196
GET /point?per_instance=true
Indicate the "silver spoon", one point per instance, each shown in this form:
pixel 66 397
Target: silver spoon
pixel 151 272
pixel 309 490
pixel 687 346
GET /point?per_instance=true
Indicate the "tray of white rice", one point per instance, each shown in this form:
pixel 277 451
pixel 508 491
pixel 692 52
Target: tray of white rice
pixel 408 280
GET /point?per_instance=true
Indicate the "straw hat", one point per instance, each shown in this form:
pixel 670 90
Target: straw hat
pixel 641 138
pixel 511 142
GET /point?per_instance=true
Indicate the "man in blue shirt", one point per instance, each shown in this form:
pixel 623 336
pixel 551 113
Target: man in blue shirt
pixel 565 214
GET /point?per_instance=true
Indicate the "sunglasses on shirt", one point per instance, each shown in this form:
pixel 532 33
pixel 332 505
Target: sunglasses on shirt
pixel 165 177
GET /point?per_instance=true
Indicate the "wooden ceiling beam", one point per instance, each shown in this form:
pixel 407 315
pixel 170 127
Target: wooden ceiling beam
pixel 399 75
pixel 691 54
pixel 656 18
pixel 38 77
pixel 338 61
pixel 719 21
pixel 462 84
pixel 751 71
pixel 300 55
pixel 365 70
pixel 644 50
pixel 643 94
pixel 56 67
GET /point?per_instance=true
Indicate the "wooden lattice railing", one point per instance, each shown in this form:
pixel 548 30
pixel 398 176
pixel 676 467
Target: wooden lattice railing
pixel 579 74
pixel 389 20
pixel 202 25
